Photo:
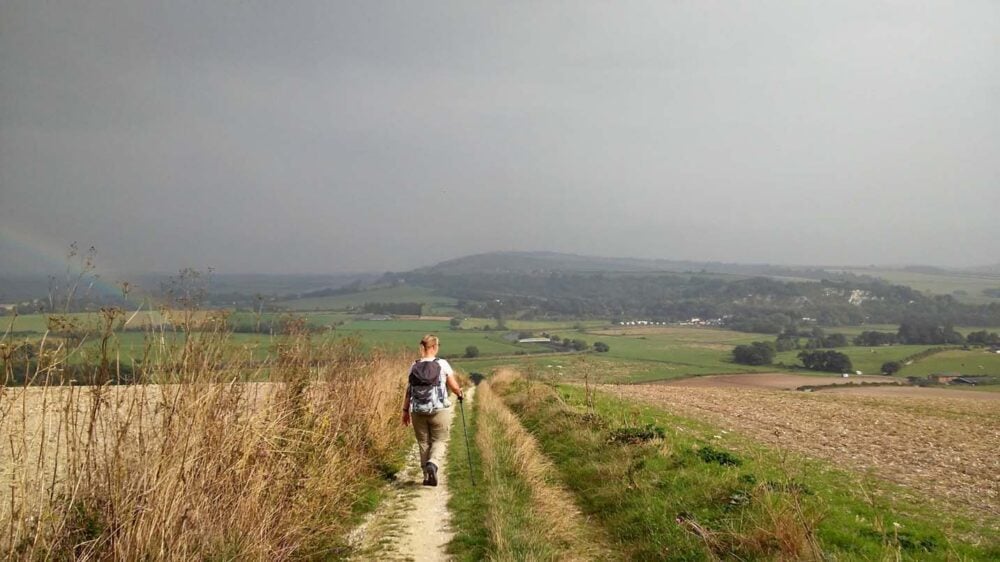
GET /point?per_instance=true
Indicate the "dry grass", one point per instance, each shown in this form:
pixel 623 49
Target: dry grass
pixel 555 529
pixel 208 466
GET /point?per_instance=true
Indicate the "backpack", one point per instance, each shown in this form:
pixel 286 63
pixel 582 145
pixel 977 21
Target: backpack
pixel 425 379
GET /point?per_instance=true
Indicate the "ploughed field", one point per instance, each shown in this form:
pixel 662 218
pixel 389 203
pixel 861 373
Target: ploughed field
pixel 777 381
pixel 865 385
pixel 940 447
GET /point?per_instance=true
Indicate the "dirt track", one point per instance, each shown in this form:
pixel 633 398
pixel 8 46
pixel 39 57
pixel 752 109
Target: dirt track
pixel 943 447
pixel 413 523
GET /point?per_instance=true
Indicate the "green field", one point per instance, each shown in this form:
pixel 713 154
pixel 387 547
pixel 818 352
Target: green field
pixel 636 354
pixel 971 362
pixel 401 293
pixel 851 331
pixel 868 360
pixel 673 352
pixel 656 354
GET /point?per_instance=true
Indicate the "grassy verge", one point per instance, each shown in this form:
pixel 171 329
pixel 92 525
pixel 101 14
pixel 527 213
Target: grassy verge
pixel 519 511
pixel 665 489
pixel 467 503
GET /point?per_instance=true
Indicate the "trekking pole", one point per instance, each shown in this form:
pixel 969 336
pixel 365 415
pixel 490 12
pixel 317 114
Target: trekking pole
pixel 461 406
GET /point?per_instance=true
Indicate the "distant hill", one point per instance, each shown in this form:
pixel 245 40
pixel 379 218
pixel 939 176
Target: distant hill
pixel 987 269
pixel 551 262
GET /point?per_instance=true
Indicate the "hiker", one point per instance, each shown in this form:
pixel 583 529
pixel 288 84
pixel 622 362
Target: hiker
pixel 427 406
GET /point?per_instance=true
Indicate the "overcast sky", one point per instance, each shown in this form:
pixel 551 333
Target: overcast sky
pixel 326 137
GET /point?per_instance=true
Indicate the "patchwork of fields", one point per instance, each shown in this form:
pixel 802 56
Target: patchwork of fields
pixel 935 445
pixel 637 354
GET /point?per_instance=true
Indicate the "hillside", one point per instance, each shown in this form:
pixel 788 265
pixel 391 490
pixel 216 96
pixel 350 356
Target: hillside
pixel 549 262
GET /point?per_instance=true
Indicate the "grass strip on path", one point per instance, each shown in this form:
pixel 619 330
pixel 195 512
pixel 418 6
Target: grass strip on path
pixel 467 503
pixel 669 488
pixel 518 512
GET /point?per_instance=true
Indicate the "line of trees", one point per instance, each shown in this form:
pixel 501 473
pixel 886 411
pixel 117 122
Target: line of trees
pixel 755 305
pixel 815 338
pixel 872 338
pixel 926 333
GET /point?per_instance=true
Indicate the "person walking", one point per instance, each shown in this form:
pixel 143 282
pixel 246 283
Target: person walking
pixel 427 406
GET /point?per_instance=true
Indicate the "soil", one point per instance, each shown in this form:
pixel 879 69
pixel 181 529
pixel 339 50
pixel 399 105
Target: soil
pixel 772 380
pixel 917 392
pixel 787 381
pixel 941 444
pixel 413 522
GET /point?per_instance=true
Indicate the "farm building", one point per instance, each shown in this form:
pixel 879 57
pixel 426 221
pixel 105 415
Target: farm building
pixel 944 378
pixel 534 340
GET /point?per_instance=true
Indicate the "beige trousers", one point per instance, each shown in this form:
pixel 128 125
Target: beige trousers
pixel 432 434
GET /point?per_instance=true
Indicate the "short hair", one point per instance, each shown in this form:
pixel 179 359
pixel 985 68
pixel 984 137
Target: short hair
pixel 428 341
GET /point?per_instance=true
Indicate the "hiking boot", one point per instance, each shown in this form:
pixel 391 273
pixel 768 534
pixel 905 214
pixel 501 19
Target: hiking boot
pixel 427 478
pixel 432 474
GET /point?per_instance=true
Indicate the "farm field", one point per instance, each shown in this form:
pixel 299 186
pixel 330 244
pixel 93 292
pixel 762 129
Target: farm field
pixel 828 384
pixel 775 381
pixel 671 352
pixel 578 367
pixel 941 448
pixel 851 331
pixel 971 362
pixel 868 360
pixel 637 354
pixel 661 480
pixel 989 392
pixel 401 293
pixel 91 470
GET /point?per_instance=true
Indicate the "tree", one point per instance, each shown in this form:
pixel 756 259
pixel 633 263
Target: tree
pixel 835 340
pixel 786 343
pixel 578 345
pixel 891 367
pixel 872 338
pixel 757 353
pixel 921 332
pixel 983 337
pixel 828 361
pixel 472 351
pixel 601 347
pixel 455 323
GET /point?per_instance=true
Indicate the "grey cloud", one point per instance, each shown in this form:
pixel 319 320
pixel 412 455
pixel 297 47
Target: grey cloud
pixel 315 136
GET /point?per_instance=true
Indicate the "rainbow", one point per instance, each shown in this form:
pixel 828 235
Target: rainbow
pixel 53 257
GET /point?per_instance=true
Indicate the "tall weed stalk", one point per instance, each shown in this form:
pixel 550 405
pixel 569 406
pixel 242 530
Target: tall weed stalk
pixel 184 453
